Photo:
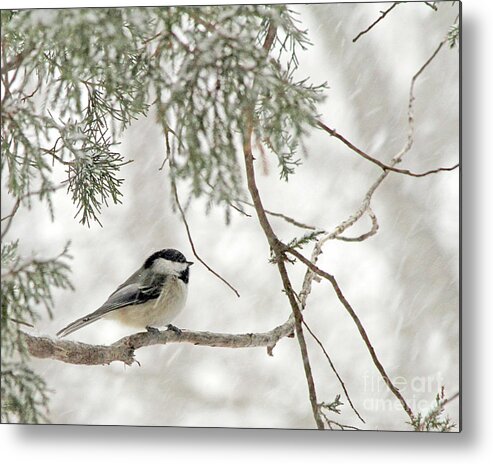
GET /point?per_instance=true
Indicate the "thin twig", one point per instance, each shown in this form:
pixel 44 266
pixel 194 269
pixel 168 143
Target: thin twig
pixel 169 157
pixel 17 204
pixel 189 235
pixel 432 5
pixel 373 160
pixel 450 398
pixel 38 86
pixel 288 219
pixel 343 385
pixel 331 423
pixel 372 25
pixel 244 213
pixel 362 237
pixel 10 218
pixel 351 220
pixel 359 325
pixel 18 321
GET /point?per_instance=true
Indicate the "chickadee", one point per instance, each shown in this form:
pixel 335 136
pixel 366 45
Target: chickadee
pixel 151 297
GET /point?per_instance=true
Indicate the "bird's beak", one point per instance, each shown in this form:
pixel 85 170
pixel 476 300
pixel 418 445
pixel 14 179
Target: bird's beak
pixel 189 263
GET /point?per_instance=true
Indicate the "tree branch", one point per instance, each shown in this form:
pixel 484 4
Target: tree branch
pixel 184 218
pixel 372 25
pixel 124 349
pixel 313 270
pixel 10 217
pixel 362 237
pixel 359 325
pixel 275 243
pixel 332 366
pixel 373 160
pixel 365 205
pixel 189 235
pixel 288 219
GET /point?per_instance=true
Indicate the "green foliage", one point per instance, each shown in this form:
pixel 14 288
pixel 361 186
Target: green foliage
pixel 26 284
pixel 434 421
pixel 453 35
pixel 300 242
pixel 24 395
pixel 74 79
pixel 203 69
pixel 334 406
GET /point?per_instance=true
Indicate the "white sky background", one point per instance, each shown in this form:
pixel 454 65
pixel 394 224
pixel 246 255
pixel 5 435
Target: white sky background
pixel 403 282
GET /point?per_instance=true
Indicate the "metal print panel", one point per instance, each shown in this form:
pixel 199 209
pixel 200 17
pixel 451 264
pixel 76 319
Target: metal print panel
pixel 232 216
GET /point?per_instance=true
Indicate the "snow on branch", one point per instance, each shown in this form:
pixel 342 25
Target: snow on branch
pixel 124 349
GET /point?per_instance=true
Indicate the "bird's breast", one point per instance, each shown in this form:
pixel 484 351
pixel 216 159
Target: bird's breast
pixel 157 312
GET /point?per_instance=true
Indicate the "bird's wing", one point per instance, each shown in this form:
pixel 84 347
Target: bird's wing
pixel 131 280
pixel 124 295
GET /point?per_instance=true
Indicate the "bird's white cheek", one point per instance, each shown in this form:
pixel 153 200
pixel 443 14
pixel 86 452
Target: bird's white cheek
pixel 164 266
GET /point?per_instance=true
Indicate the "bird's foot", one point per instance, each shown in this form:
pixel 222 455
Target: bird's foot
pixel 174 329
pixel 152 330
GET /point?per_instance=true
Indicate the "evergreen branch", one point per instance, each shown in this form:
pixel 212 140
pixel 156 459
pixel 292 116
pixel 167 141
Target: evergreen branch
pixel 24 395
pixel 453 35
pixel 305 239
pixel 433 421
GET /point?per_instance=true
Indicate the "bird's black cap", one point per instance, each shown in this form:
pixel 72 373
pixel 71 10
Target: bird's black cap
pixel 170 254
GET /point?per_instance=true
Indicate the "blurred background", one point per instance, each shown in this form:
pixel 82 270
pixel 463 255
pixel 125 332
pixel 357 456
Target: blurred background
pixel 403 282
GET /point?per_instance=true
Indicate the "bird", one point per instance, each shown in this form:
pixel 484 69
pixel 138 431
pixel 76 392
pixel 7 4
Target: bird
pixel 151 297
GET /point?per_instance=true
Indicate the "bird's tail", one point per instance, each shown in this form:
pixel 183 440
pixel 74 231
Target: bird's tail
pixel 79 323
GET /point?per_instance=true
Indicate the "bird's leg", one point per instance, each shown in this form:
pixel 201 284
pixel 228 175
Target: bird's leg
pixel 152 330
pixel 174 329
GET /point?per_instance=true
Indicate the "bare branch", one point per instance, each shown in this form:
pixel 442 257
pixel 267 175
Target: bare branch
pixel 359 325
pixel 288 219
pixel 275 244
pixel 189 235
pixel 10 217
pixel 362 237
pixel 332 423
pixel 432 5
pixel 372 25
pixel 343 385
pixel 313 270
pixel 169 157
pixel 124 349
pixel 373 160
pixel 351 220
pixel 450 398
